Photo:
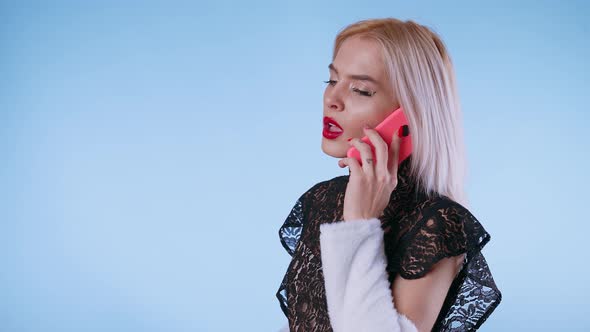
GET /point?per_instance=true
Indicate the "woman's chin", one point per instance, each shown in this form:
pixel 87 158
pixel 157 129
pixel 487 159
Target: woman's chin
pixel 334 149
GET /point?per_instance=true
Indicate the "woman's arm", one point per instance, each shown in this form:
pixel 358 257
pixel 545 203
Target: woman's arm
pixel 421 299
pixel 358 292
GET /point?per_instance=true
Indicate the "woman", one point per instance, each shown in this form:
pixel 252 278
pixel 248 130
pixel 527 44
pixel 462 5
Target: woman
pixel 400 251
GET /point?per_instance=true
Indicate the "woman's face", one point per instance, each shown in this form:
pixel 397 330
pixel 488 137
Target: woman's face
pixel 358 93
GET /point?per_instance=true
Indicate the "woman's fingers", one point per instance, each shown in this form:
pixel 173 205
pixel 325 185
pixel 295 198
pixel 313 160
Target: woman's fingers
pixel 352 164
pixel 366 156
pixel 381 169
pixel 394 154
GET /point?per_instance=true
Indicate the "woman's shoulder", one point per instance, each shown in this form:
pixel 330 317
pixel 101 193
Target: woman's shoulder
pixel 336 181
pixel 325 187
pixel 441 202
pixel 441 210
pixel 320 194
pixel 445 215
pixel 448 229
pixel 439 227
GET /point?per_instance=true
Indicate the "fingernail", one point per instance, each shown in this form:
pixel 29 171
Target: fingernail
pixel 403 131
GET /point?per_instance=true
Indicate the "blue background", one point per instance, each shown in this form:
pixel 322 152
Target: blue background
pixel 151 151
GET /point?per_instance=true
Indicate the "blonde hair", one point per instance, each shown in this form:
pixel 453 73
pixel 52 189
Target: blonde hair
pixel 423 79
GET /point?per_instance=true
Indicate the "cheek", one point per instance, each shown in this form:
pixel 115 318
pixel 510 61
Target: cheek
pixel 360 116
pixel 364 115
pixel 355 125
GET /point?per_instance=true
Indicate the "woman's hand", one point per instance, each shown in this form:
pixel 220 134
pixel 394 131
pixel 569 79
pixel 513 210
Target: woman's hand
pixel 370 186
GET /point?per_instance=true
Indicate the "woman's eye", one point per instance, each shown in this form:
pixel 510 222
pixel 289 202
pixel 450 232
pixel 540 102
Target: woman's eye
pixel 363 92
pixel 357 90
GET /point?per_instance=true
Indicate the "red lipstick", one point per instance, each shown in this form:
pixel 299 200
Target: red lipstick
pixel 331 128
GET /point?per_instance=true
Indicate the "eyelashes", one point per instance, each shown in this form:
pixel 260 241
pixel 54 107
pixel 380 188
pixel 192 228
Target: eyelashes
pixel 359 91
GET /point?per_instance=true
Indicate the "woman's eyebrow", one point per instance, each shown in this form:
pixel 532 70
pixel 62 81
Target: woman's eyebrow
pixel 356 77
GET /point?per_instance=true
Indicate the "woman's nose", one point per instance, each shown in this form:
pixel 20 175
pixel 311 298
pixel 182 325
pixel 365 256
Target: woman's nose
pixel 333 99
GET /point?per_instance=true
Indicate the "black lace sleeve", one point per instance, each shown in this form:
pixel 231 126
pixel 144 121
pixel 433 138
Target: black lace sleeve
pixel 447 229
pixel 289 235
pixel 444 230
pixel 290 231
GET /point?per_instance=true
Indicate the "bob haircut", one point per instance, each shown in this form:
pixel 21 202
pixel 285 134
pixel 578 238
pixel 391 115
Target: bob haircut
pixel 423 79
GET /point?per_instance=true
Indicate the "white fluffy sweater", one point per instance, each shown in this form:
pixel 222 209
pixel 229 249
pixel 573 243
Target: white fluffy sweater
pixel 358 291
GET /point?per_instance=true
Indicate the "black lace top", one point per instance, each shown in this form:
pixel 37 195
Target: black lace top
pixel 418 232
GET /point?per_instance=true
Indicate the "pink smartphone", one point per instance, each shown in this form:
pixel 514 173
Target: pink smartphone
pixel 386 129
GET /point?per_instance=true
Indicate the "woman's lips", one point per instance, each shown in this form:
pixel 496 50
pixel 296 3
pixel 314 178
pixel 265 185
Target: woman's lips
pixel 331 128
